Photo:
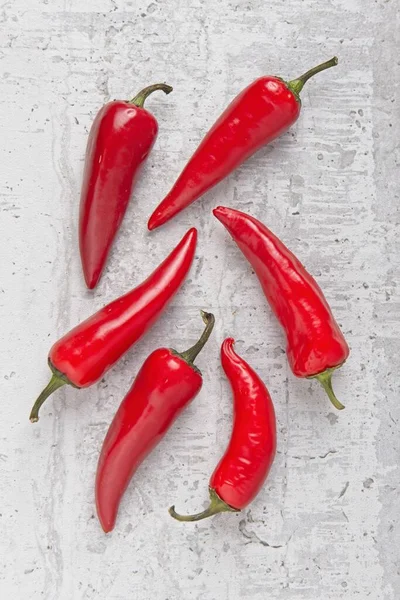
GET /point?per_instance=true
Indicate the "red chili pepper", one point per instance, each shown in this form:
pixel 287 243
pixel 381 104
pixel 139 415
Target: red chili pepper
pixel 120 140
pixel 258 115
pixel 315 344
pixel 242 470
pixel 84 354
pixel 164 386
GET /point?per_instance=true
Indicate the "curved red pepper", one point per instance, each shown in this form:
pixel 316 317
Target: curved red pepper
pixel 84 354
pixel 164 386
pixel 315 344
pixel 258 115
pixel 120 140
pixel 242 470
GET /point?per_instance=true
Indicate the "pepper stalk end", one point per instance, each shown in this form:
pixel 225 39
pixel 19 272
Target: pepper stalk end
pixel 57 380
pixel 217 505
pixel 140 98
pixel 297 84
pixel 191 354
pixel 325 379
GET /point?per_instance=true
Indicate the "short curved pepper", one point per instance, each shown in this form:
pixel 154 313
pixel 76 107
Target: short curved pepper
pixel 244 467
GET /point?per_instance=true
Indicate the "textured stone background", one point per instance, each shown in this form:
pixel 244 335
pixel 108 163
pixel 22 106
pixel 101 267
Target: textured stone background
pixel 326 524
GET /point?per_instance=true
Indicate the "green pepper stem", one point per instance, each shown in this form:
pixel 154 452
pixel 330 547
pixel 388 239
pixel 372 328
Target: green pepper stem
pixel 55 382
pixel 217 505
pixel 297 84
pixel 325 379
pixel 190 355
pixel 140 98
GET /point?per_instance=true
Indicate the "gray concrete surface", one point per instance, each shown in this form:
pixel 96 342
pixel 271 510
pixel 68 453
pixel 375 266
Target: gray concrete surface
pixel 326 524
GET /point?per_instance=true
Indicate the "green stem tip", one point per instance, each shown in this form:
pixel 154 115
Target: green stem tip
pixel 325 379
pixel 190 355
pixel 57 380
pixel 297 84
pixel 140 98
pixel 217 505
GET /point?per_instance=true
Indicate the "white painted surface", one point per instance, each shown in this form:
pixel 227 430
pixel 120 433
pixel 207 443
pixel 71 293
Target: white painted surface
pixel 326 524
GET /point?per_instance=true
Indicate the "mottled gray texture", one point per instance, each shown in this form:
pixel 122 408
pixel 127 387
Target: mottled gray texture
pixel 326 524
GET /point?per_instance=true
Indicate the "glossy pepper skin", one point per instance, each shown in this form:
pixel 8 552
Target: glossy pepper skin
pixel 84 354
pixel 241 472
pixel 167 382
pixel 258 115
pixel 120 139
pixel 315 343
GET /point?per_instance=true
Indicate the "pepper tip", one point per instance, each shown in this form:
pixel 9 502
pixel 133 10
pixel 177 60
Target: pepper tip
pixel 92 281
pixel 150 225
pixel 106 529
pixel 107 524
pixel 219 212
